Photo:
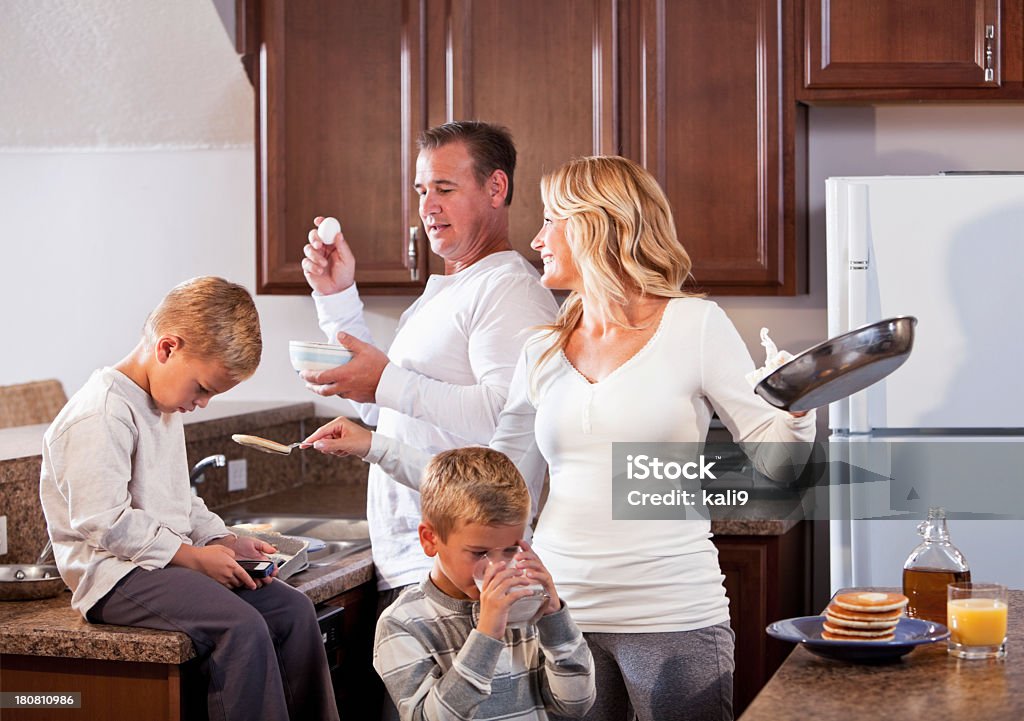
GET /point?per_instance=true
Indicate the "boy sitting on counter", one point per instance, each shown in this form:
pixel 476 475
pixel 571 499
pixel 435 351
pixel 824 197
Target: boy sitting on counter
pixel 446 649
pixel 137 548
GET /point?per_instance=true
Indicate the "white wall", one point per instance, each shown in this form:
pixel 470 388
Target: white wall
pixel 92 241
pixel 120 73
pixel 126 166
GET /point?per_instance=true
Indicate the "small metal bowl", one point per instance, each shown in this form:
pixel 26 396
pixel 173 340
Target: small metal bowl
pixel 29 582
pixel 840 366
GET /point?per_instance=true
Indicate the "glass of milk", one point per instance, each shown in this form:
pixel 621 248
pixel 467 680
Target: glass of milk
pixel 527 609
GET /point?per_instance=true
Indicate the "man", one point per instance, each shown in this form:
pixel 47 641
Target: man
pixel 445 378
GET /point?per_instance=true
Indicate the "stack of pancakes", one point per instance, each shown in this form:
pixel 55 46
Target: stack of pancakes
pixel 863 616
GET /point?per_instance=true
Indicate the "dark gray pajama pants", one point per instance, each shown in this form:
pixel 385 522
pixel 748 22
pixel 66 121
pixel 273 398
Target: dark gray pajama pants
pixel 679 676
pixel 261 650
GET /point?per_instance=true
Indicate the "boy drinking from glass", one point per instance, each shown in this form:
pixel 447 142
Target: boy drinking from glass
pixel 446 649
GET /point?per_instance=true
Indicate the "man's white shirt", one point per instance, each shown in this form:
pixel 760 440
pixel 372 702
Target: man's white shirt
pixel 451 365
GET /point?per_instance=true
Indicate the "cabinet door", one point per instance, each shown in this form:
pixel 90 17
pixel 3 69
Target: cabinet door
pixel 765 580
pixel 744 564
pixel 543 68
pixel 902 43
pixel 707 113
pixel 339 104
pixel 357 687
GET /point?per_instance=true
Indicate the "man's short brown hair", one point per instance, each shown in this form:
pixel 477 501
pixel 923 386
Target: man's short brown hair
pixel 490 146
pixel 216 319
pixel 473 485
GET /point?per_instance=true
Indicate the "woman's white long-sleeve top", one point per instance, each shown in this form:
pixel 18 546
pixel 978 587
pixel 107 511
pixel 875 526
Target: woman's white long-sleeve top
pixel 628 576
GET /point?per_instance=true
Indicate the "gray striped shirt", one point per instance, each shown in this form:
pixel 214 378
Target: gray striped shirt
pixel 437 666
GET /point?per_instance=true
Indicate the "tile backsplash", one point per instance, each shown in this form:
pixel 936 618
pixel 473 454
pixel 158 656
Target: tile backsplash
pixel 328 470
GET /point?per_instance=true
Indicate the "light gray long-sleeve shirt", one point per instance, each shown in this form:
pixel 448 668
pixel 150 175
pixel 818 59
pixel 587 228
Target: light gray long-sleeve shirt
pixel 114 487
pixel 438 667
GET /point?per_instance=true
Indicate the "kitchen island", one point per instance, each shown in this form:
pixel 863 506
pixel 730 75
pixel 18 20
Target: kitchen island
pixel 926 684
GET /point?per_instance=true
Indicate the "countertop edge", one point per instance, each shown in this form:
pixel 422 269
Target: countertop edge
pixel 68 635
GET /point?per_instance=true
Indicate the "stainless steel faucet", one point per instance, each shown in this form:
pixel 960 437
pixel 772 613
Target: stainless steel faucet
pixel 196 476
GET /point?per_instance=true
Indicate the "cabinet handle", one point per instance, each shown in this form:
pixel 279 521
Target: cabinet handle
pixel 411 256
pixel 990 34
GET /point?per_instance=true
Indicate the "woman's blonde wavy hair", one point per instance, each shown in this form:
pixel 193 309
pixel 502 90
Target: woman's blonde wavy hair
pixel 619 227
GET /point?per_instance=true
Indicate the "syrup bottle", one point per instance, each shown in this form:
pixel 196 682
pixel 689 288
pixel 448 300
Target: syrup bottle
pixel 930 567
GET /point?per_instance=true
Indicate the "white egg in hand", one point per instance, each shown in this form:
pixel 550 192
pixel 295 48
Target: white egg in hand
pixel 328 230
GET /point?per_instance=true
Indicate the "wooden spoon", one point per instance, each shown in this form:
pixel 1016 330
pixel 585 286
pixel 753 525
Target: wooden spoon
pixel 262 444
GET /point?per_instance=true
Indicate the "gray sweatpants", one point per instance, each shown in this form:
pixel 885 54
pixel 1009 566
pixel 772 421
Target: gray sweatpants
pixel 261 650
pixel 663 676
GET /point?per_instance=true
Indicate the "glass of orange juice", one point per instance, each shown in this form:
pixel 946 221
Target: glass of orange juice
pixel 976 614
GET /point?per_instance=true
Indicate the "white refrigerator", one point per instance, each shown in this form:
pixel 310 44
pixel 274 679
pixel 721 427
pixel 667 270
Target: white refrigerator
pixel 947 428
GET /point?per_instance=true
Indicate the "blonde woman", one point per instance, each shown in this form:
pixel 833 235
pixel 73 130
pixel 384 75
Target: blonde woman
pixel 630 357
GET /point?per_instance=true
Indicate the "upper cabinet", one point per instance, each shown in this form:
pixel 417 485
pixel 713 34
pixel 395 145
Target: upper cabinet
pixel 544 69
pixel 692 90
pixel 339 100
pixel 345 86
pixel 708 111
pixel 911 49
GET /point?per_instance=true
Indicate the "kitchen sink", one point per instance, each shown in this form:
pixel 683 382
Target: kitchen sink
pixel 341 536
pixel 334 551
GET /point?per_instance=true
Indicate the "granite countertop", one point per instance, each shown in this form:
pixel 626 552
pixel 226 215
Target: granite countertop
pixel 926 684
pixel 51 628
pixel 768 518
pixel 314 499
pixel 22 441
pixel 765 517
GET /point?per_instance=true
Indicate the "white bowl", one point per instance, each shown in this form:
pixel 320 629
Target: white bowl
pixel 310 356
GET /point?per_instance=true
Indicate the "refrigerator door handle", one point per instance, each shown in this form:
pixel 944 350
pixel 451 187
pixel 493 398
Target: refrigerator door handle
pixel 857 286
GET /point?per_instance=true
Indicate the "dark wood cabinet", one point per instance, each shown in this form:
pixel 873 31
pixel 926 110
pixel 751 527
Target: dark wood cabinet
pixel 343 88
pixel 765 580
pixel 339 101
pixel 692 91
pixel 546 70
pixel 708 111
pixel 911 49
pixel 109 689
pixel 178 692
pixel 349 644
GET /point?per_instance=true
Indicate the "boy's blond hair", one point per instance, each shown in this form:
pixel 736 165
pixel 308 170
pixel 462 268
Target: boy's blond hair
pixel 473 485
pixel 216 319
